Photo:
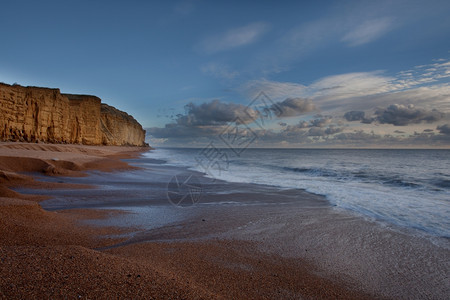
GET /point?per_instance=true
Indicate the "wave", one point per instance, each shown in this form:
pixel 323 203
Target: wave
pixel 313 171
pixel 406 188
pixel 442 183
pixel 371 177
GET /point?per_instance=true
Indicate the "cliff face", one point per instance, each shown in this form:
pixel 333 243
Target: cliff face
pixel 118 127
pixel 41 114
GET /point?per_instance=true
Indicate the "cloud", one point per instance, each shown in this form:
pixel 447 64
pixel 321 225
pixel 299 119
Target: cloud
pixel 318 131
pixel 292 107
pixel 333 130
pixel 411 97
pixel 202 123
pixel 328 88
pixel 351 84
pixel 321 122
pixel 234 38
pixel 402 115
pixel 360 138
pixel 358 115
pixel 367 32
pixel 303 124
pixel 178 135
pixel 215 113
pixel 354 26
pixel 354 115
pixel 316 127
pixel 210 118
pixel 444 129
pixel 364 91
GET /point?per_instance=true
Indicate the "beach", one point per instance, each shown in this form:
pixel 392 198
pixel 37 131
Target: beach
pixel 95 222
pixel 225 150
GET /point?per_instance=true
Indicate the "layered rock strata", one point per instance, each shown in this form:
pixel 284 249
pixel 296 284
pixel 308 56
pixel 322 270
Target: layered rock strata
pixel 33 114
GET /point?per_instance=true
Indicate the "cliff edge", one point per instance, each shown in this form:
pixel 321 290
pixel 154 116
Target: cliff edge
pixel 33 114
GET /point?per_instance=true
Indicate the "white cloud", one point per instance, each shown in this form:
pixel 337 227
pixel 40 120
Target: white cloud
pixel 336 86
pixel 416 99
pixel 351 84
pixel 356 25
pixel 234 38
pixel 367 32
pixel 365 90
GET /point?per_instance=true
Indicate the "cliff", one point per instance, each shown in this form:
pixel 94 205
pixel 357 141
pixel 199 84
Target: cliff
pixel 34 114
pixel 118 127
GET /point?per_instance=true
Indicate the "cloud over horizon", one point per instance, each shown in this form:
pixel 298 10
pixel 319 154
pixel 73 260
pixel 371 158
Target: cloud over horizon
pixel 295 107
pixel 402 115
pixel 215 113
pixel 334 109
pixel 444 129
pixel 426 84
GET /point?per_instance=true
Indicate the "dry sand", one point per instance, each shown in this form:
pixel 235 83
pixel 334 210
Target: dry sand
pixel 52 255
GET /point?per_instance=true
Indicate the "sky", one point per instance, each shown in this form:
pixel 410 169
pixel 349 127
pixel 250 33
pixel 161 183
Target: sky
pixel 263 74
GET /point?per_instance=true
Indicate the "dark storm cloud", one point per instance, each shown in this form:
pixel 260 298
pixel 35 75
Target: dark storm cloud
pixel 209 119
pixel 444 129
pixel 215 113
pixel 402 115
pixel 292 107
pixel 354 115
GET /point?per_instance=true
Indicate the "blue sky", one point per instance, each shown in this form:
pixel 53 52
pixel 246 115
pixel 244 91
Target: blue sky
pixel 319 59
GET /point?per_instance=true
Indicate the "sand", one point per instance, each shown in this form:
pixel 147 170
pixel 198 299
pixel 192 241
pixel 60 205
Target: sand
pixel 56 255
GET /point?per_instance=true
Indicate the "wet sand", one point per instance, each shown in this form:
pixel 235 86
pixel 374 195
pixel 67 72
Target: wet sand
pixel 240 241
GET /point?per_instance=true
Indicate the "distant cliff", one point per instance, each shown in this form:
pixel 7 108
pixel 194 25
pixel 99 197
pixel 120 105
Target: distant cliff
pixel 32 114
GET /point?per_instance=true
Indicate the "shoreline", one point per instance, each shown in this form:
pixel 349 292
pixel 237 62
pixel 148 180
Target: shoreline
pixel 255 251
pixel 413 200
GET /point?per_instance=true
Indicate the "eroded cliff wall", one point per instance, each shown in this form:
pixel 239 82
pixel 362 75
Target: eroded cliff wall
pixel 41 114
pixel 118 127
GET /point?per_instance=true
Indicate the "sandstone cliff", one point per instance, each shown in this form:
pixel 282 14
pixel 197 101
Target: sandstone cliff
pixel 41 114
pixel 118 127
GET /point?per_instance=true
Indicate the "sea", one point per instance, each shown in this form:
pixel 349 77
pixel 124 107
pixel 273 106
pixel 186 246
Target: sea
pixel 406 188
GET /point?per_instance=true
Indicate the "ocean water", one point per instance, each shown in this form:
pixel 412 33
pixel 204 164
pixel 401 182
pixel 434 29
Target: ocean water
pixel 408 188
